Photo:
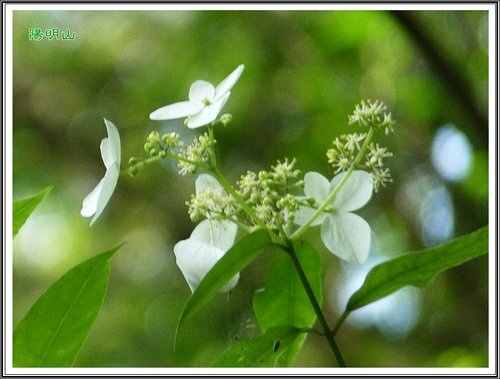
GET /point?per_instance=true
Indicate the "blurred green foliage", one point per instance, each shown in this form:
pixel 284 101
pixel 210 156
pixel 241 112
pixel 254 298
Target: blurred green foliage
pixel 305 71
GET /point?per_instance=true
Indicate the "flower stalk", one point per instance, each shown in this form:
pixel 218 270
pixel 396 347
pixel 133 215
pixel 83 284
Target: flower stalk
pixel 316 306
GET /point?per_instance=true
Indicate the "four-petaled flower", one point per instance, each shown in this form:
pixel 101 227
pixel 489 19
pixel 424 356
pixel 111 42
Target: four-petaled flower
pixel 96 200
pixel 208 242
pixel 204 104
pixel 211 238
pixel 345 234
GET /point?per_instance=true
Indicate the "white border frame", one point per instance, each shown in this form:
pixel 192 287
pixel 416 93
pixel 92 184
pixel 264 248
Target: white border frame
pixel 491 7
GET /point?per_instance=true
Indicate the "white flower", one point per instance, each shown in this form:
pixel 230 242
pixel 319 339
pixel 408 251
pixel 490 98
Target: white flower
pixel 345 234
pixel 208 242
pixel 204 104
pixel 96 201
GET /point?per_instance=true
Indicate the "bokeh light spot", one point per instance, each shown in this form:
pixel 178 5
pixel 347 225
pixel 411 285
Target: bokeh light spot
pixel 451 153
pixel 437 216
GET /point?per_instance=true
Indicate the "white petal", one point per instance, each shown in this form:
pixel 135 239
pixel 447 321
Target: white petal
pixel 176 110
pixel 228 82
pixel 316 186
pixel 355 193
pixel 195 259
pixel 201 91
pixel 110 146
pixel 114 141
pixel 98 198
pixel 205 181
pixel 347 236
pixel 303 214
pixel 224 233
pixel 108 187
pixel 220 234
pixel 202 232
pixel 106 154
pixel 220 102
pixel 89 204
pixel 208 114
pixel 95 202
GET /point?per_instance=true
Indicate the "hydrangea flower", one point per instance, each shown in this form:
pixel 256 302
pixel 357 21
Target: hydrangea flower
pixel 208 242
pixel 345 234
pixel 204 104
pixel 96 200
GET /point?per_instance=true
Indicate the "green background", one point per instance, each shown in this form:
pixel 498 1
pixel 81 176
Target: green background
pixel 304 72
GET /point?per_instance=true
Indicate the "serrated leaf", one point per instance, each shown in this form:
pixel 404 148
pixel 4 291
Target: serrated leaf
pixel 418 268
pixel 54 329
pixel 23 208
pixel 275 348
pixel 235 259
pixel 284 301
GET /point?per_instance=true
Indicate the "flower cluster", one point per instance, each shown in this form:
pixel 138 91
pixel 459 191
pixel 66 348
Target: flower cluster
pixel 347 147
pixel 356 151
pixel 373 115
pixel 270 195
pixel 211 200
pixel 344 151
pixel 374 163
pixel 156 145
pixel 196 154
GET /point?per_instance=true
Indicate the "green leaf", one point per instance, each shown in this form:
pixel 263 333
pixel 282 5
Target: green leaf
pixel 284 302
pixel 54 329
pixel 24 207
pixel 418 268
pixel 236 258
pixel 275 348
pixel 283 305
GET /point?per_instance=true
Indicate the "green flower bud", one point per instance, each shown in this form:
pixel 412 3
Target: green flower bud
pixel 223 120
pixel 133 160
pixel 263 175
pixel 132 171
pixel 254 197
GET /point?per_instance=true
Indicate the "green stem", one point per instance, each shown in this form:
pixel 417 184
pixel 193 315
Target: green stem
pixel 213 158
pixel 141 164
pixel 156 158
pixel 295 235
pixel 317 308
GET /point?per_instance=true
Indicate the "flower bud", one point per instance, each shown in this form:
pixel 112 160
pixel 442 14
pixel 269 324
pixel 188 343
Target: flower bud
pixel 223 121
pixel 132 171
pixel 263 175
pixel 254 197
pixel 133 161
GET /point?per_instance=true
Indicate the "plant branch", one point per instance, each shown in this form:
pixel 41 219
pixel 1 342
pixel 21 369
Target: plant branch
pixel 317 308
